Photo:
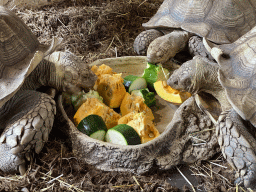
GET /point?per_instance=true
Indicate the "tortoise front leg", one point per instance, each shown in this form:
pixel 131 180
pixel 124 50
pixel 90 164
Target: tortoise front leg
pixel 196 47
pixel 28 119
pixel 143 40
pixel 238 147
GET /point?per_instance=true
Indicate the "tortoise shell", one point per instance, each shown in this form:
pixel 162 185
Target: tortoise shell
pixel 20 53
pixel 237 74
pixel 220 21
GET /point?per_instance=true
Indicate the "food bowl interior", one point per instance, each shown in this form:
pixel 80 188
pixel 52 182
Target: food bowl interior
pixel 135 65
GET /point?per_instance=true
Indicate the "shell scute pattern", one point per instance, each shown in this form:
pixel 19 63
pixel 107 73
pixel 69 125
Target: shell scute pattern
pixel 237 74
pixel 222 21
pixel 16 39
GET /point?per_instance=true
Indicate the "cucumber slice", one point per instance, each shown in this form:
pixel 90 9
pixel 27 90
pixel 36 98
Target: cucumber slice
pixel 123 134
pixel 132 82
pixel 155 73
pixel 149 97
pixel 93 126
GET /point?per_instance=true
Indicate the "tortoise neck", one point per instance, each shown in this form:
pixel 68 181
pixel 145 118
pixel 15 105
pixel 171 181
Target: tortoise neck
pixel 206 80
pixel 43 75
pixel 206 77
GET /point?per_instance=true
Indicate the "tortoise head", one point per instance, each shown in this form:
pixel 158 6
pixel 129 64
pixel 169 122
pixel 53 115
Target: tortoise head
pixel 195 75
pixel 159 51
pixel 74 74
pixel 182 79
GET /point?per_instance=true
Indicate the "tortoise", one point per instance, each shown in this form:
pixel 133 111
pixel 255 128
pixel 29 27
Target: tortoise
pixel 178 21
pixel 26 114
pixel 235 77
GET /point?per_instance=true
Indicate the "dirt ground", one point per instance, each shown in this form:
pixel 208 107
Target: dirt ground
pixel 95 29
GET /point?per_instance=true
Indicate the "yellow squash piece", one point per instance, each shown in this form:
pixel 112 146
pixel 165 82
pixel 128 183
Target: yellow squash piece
pixel 94 106
pixel 142 124
pixel 102 69
pixel 111 89
pixel 133 103
pixel 169 94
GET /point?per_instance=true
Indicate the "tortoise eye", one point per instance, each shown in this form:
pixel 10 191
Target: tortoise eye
pixel 225 56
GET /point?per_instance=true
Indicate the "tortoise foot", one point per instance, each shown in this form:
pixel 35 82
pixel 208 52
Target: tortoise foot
pixel 10 162
pixel 27 126
pixel 248 180
pixel 143 40
pixel 238 147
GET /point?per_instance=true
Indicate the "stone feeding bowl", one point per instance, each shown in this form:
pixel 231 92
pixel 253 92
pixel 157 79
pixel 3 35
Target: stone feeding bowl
pixel 175 123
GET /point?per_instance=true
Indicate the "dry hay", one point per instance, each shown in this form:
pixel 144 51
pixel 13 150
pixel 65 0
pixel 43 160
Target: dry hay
pixel 95 29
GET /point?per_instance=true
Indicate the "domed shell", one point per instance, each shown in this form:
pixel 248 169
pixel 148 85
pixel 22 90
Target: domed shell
pixel 20 53
pixel 220 21
pixel 237 74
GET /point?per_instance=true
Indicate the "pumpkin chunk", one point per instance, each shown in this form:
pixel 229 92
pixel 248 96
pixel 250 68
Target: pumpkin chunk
pixel 142 124
pixel 135 103
pixel 94 106
pixel 169 94
pixel 111 88
pixel 102 69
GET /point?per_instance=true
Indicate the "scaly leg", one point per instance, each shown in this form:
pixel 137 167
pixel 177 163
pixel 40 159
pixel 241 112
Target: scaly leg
pixel 28 119
pixel 143 40
pixel 196 47
pixel 238 147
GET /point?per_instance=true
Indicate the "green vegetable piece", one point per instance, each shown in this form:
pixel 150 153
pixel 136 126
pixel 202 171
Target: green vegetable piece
pixel 155 73
pixel 93 126
pixel 149 97
pixel 79 98
pixel 133 82
pixel 123 134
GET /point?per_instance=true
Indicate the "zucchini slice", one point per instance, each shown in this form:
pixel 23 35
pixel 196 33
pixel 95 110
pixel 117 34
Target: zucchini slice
pixel 149 97
pixel 123 134
pixel 93 126
pixel 133 82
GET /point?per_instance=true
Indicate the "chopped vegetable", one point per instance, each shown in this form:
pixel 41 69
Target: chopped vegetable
pixel 111 88
pixel 102 69
pixel 169 94
pixel 78 99
pixel 132 82
pixel 94 106
pixel 93 126
pixel 142 124
pixel 135 103
pixel 155 73
pixel 123 135
pixel 149 97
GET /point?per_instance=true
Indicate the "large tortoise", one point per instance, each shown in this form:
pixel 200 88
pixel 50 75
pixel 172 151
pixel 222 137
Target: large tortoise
pixel 176 21
pixel 26 115
pixel 232 82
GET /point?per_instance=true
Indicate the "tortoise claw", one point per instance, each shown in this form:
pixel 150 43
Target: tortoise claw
pixel 22 169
